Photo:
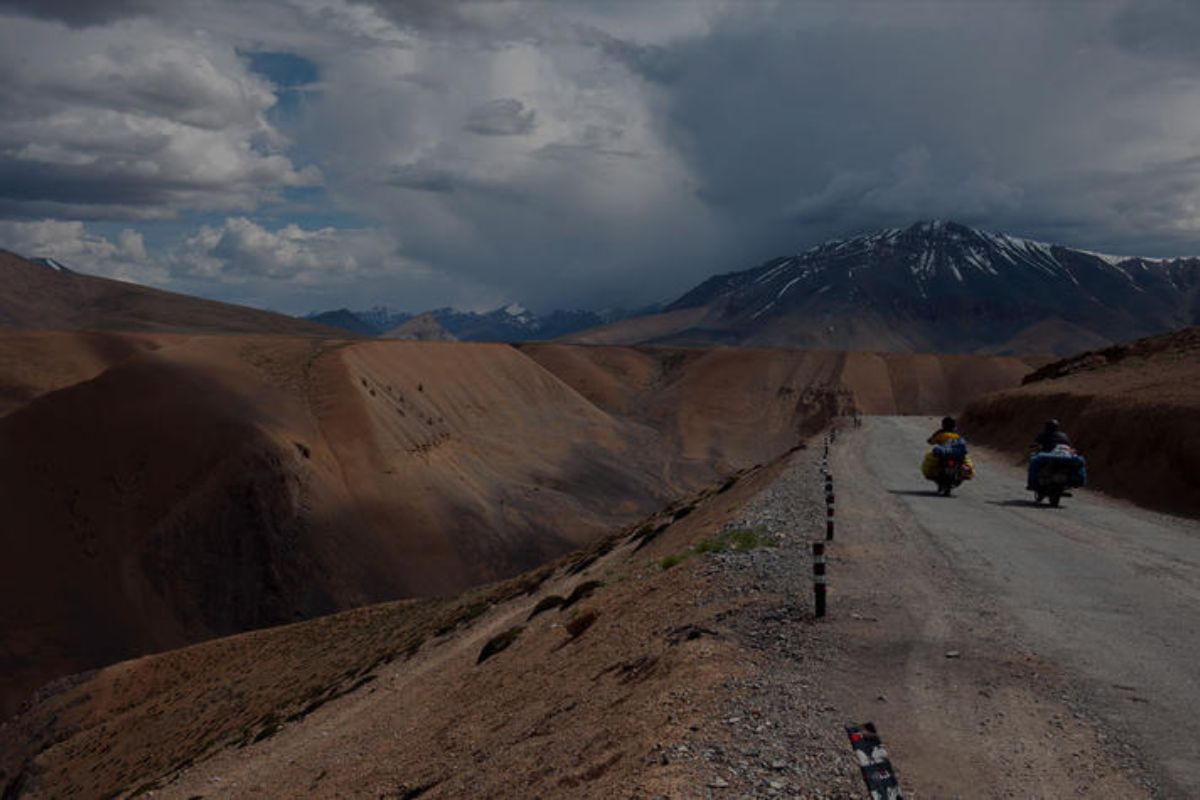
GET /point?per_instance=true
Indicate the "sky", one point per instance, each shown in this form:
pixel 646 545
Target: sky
pixel 303 155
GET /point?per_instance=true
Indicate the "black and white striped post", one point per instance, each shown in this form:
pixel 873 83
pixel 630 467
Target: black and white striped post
pixel 873 760
pixel 829 523
pixel 818 554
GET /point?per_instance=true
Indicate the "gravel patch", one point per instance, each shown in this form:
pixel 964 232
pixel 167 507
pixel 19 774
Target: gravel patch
pixel 775 735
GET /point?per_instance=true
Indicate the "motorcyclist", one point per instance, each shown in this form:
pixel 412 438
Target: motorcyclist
pixel 1050 439
pixel 948 432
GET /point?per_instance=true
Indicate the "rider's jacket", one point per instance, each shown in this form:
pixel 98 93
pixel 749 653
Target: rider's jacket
pixel 942 437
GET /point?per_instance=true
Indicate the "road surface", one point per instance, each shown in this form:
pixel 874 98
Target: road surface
pixel 984 621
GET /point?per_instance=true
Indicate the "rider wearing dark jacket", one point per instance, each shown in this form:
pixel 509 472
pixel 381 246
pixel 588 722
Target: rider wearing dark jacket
pixel 1044 445
pixel 1050 437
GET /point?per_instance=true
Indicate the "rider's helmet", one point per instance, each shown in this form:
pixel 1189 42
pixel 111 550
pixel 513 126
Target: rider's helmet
pixel 1051 425
pixel 948 424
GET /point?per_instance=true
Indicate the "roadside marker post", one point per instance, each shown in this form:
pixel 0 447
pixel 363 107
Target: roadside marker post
pixel 818 554
pixel 829 523
pixel 873 759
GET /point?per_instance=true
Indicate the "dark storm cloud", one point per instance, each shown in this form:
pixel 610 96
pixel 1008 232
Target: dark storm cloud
pixel 504 116
pixel 593 152
pixel 80 12
pixel 22 181
pixel 1167 29
pixel 805 121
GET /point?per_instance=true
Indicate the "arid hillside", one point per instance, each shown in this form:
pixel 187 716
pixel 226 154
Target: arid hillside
pixel 218 484
pixel 561 680
pixel 161 489
pixel 40 298
pixel 728 395
pixel 1133 410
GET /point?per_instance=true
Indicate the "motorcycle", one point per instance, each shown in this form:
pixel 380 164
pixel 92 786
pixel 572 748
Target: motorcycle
pixel 948 473
pixel 1055 474
pixel 948 465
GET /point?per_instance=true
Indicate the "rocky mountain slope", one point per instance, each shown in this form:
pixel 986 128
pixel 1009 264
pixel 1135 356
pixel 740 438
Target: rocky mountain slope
pixel 45 295
pixel 1131 409
pixel 932 287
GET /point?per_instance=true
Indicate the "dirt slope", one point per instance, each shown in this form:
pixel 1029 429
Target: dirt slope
pixel 225 483
pixel 44 299
pixel 390 700
pixel 1133 410
pixel 739 391
pixel 35 362
pixel 202 485
pixel 162 489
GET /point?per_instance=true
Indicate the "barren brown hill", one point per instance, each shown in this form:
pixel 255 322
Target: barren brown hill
pixel 162 489
pixel 562 679
pixel 35 362
pixel 45 299
pixel 723 398
pixel 1133 410
pixel 224 483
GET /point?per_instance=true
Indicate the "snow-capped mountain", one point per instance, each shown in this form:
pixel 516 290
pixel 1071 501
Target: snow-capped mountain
pixel 509 323
pixel 940 286
pixel 51 263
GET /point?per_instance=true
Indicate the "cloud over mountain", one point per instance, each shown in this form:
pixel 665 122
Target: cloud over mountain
pixel 593 153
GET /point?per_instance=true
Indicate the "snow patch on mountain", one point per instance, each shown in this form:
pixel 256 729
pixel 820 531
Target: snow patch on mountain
pixel 51 263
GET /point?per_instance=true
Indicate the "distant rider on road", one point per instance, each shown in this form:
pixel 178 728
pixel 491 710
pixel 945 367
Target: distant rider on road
pixel 1048 441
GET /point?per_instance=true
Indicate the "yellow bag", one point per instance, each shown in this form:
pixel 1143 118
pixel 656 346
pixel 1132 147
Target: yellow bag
pixel 930 463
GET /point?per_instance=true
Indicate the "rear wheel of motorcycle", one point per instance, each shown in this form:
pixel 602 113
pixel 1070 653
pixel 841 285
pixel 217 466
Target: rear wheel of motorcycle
pixel 1054 501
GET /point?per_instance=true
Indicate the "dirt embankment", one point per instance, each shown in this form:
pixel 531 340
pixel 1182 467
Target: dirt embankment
pixel 161 491
pixel 1132 410
pixel 568 680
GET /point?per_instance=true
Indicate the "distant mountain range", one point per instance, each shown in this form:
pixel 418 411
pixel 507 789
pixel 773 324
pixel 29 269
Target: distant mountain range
pixel 934 286
pixel 510 323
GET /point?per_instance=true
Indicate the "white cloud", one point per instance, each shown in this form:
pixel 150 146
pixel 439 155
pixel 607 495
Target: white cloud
pixel 240 250
pixel 136 115
pixel 71 243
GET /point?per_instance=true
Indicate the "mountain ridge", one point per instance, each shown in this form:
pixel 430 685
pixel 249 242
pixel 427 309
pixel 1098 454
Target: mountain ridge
pixel 932 286
pixel 45 294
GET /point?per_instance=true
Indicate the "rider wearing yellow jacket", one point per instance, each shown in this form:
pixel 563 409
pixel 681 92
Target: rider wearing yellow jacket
pixel 943 435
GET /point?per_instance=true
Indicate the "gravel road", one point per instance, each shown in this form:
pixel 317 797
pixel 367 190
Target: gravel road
pixel 1003 649
pixel 1099 597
